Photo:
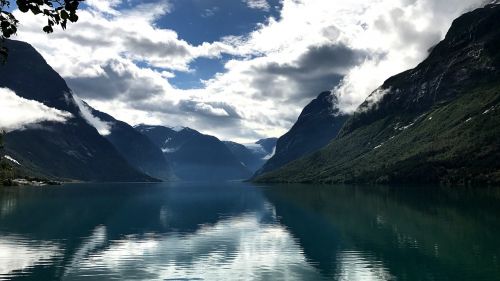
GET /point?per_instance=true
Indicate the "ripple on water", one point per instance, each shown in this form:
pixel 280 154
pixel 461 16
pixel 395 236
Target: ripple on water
pixel 355 265
pixel 19 254
pixel 238 248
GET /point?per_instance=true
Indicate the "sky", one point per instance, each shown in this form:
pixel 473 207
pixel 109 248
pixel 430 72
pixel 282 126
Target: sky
pixel 241 70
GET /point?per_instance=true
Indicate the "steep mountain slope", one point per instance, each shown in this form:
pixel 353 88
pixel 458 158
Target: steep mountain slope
pixel 195 156
pixel 317 125
pixel 71 150
pixel 136 148
pixel 436 123
pixel 253 155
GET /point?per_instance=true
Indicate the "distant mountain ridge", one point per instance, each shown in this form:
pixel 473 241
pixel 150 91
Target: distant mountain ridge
pixel 436 123
pixel 253 156
pixel 136 148
pixel 195 156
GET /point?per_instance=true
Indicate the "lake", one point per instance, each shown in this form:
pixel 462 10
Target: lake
pixel 239 231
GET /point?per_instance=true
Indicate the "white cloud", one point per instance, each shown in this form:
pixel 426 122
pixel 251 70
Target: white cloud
pixel 395 35
pixel 104 128
pixel 106 6
pixel 17 113
pixel 274 72
pixel 209 109
pixel 258 4
pixel 402 32
pixel 103 33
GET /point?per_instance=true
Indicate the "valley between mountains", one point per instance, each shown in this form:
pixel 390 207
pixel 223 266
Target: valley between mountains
pixel 438 123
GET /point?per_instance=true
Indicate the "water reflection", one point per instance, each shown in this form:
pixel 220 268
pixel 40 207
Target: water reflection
pixel 402 233
pixel 241 232
pixel 239 248
pixel 18 254
pixel 356 265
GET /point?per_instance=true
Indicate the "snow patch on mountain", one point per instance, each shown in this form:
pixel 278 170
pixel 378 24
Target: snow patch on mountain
pixel 177 128
pixel 12 160
pixel 169 150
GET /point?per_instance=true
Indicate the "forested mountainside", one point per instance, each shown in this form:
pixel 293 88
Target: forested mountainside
pixel 436 123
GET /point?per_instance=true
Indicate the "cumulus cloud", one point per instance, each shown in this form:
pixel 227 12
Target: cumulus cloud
pixel 17 113
pixel 103 33
pixel 120 79
pixel 349 47
pixel 318 69
pixel 395 34
pixel 210 109
pixel 402 32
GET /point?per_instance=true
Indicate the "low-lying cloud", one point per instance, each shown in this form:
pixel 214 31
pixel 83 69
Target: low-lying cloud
pixel 104 128
pixel 17 113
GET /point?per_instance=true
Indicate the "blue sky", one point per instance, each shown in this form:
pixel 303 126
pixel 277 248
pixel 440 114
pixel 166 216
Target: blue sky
pixel 237 69
pixel 198 21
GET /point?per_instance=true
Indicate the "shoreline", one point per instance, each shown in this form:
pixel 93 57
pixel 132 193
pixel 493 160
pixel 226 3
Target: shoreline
pixel 30 182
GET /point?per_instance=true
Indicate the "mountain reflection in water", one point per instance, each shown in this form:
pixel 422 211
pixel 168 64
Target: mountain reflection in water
pixel 237 231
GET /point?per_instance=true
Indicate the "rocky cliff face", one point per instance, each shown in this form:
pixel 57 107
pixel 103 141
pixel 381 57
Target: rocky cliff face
pixel 466 58
pixel 436 123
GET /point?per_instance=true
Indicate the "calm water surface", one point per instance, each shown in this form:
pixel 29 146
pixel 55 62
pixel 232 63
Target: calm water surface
pixel 238 231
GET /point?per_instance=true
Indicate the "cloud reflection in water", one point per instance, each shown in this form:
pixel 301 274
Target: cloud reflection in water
pixel 237 248
pixel 19 254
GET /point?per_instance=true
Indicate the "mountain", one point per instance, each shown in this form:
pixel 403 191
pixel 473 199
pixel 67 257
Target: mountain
pixel 268 144
pixel 136 148
pixel 436 123
pixel 254 155
pixel 71 150
pixel 195 156
pixel 246 156
pixel 317 125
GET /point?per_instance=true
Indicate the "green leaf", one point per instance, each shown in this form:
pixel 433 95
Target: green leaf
pixel 64 15
pixel 23 8
pixel 73 17
pixel 48 29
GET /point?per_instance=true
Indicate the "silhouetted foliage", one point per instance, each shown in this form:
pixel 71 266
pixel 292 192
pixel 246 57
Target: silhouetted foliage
pixel 58 12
